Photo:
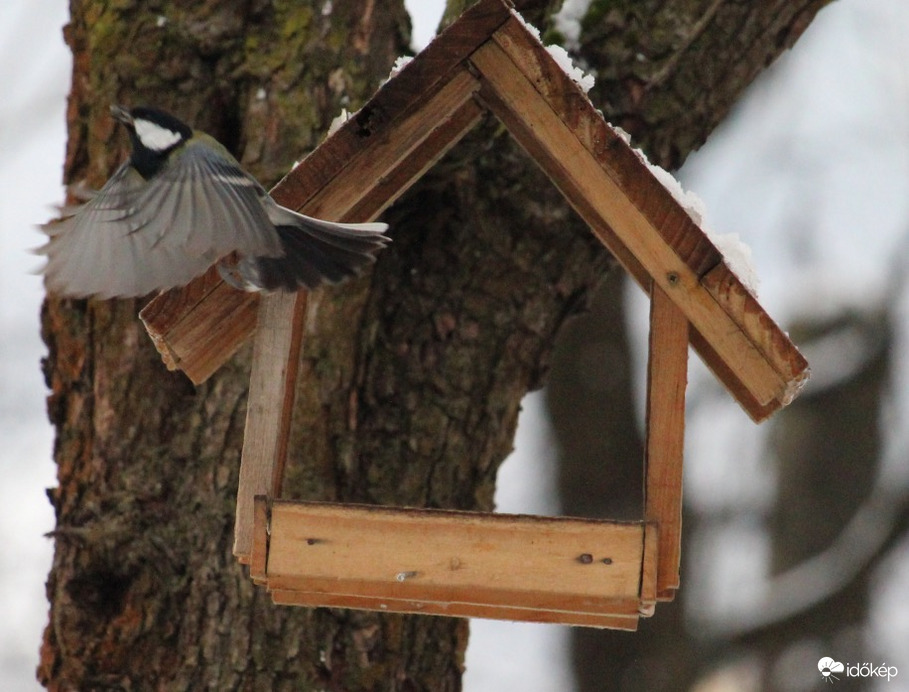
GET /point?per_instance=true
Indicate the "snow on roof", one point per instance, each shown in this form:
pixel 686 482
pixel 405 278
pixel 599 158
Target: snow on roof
pixel 561 57
pixel 736 253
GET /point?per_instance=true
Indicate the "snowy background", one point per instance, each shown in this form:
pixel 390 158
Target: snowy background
pixel 811 170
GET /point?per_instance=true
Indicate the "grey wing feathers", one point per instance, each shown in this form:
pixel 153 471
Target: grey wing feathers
pixel 136 236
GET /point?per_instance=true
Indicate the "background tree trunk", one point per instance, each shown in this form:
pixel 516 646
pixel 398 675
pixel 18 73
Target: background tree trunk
pixel 411 377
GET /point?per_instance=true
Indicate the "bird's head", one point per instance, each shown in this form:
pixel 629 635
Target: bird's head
pixel 154 134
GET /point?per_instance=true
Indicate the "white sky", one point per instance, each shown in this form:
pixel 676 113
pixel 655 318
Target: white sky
pixel 34 65
pixel 823 138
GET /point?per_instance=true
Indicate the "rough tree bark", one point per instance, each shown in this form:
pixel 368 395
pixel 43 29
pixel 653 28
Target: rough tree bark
pixel 411 377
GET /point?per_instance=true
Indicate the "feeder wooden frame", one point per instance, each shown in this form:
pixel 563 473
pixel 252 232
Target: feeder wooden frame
pixel 574 571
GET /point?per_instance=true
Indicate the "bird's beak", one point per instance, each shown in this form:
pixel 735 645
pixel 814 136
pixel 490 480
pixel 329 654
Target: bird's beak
pixel 121 114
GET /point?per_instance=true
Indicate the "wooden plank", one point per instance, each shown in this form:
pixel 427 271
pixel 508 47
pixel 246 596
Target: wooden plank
pixel 276 356
pixel 728 376
pixel 440 556
pixel 197 328
pixel 428 123
pixel 649 569
pixel 633 214
pixel 393 183
pixel 667 378
pixel 603 205
pixel 611 152
pixel 258 562
pixel 471 610
pixel 200 342
pixel 738 302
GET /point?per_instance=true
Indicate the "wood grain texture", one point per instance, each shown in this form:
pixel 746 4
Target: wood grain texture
pixel 636 217
pixel 465 610
pixel 667 378
pixel 417 138
pixel 620 162
pixel 258 560
pixel 649 569
pixel 466 563
pixel 768 338
pixel 197 328
pixel 276 356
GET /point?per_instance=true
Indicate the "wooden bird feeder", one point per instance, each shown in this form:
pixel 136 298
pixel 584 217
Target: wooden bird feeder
pixel 574 571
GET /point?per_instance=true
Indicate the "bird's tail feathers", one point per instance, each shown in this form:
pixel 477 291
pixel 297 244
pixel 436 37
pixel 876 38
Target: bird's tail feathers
pixel 315 252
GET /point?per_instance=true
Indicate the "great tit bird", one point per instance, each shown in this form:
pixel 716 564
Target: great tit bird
pixel 179 204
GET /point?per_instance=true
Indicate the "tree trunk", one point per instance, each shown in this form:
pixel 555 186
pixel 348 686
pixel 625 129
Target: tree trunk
pixel 412 377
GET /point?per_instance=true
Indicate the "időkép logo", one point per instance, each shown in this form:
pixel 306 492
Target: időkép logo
pixel 834 670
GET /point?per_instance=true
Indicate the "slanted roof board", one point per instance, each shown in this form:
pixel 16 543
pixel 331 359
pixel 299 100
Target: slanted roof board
pixel 425 155
pixel 427 124
pixel 200 326
pixel 400 96
pixel 647 194
pixel 571 105
pixel 179 321
pixel 534 121
pixel 763 332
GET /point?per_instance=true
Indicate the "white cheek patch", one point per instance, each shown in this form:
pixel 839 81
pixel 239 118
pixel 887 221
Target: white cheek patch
pixel 155 137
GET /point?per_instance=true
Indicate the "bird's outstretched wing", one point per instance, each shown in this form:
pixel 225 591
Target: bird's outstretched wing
pixel 136 235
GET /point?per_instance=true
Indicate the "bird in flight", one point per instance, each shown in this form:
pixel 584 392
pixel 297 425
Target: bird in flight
pixel 182 203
